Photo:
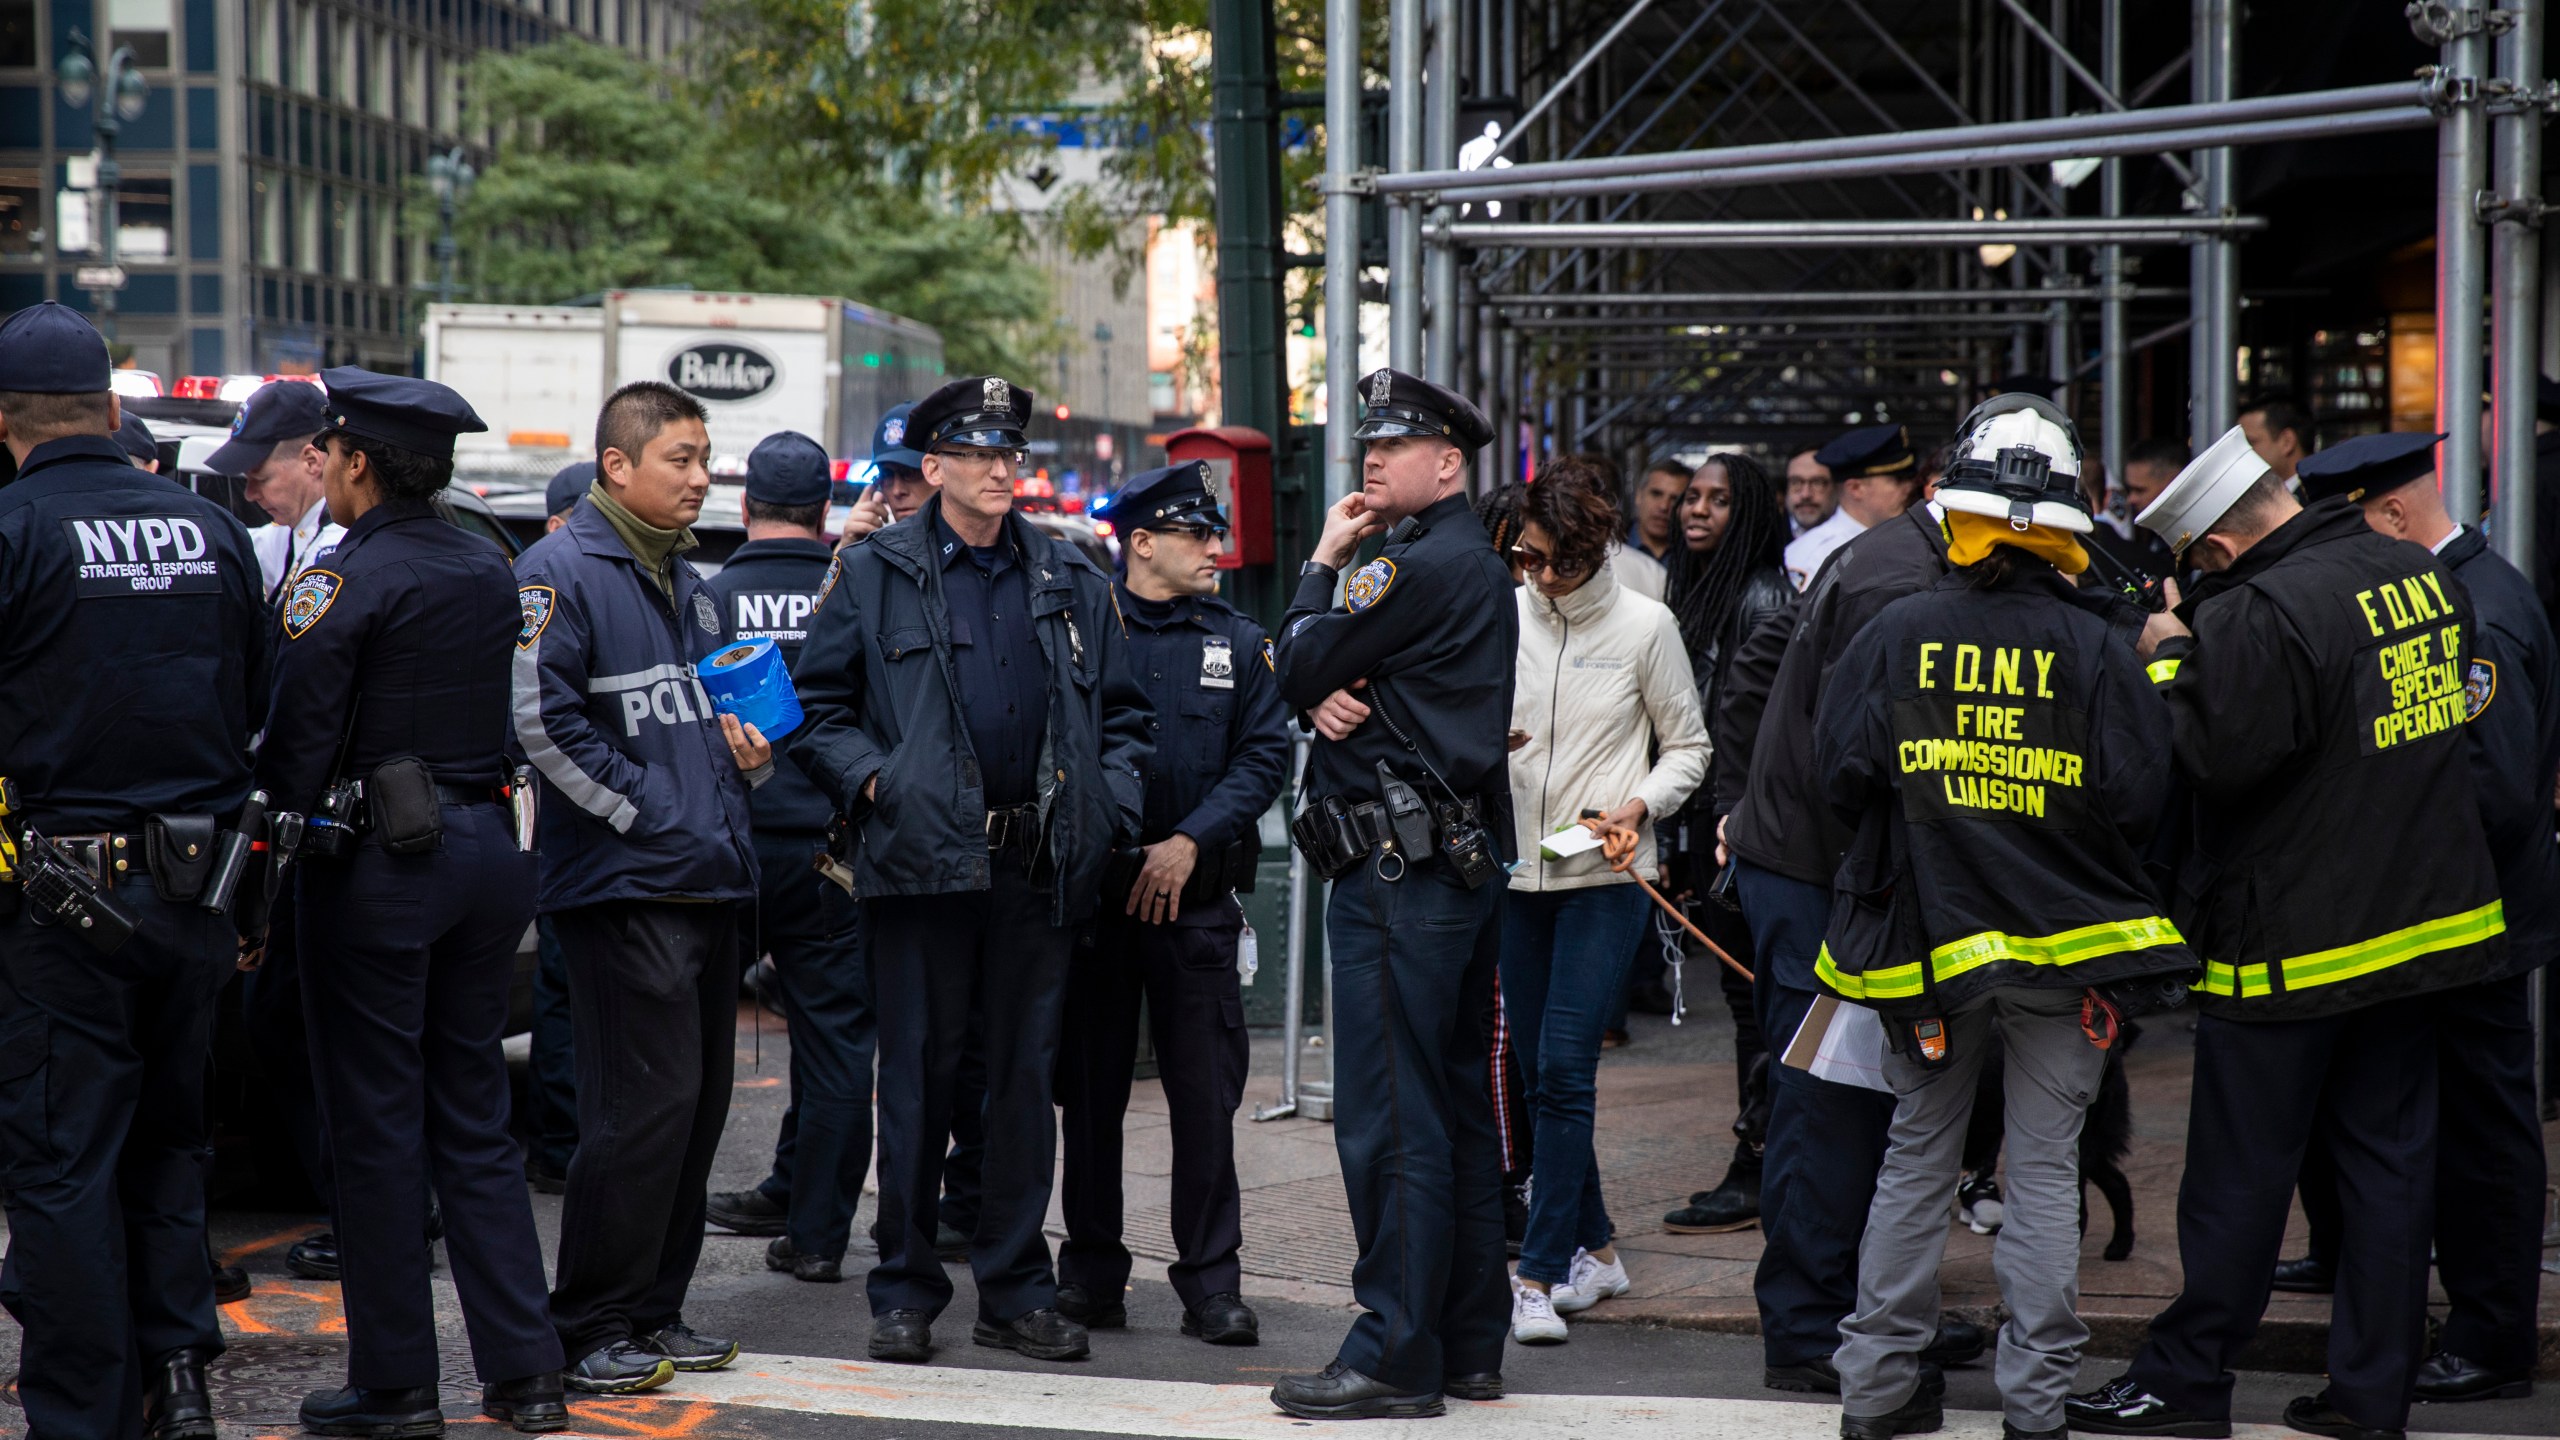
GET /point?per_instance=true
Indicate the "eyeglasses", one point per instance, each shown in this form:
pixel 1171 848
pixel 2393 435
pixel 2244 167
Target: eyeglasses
pixel 1535 560
pixel 1196 532
pixel 1016 458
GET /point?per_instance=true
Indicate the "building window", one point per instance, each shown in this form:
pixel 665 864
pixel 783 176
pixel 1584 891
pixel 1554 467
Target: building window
pixel 301 40
pixel 17 34
pixel 383 69
pixel 21 215
pixel 267 218
pixel 144 25
pixel 413 82
pixel 262 40
pixel 145 218
pixel 306 228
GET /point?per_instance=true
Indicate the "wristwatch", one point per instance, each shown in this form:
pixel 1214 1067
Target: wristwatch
pixel 1317 567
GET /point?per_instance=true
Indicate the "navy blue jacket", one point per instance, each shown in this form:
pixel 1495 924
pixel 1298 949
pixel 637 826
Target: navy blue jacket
pixel 1221 733
pixel 882 693
pixel 133 635
pixel 410 621
pixel 2512 695
pixel 767 591
pixel 640 798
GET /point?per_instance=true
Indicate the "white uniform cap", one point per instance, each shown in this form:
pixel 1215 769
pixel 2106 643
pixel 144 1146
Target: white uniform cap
pixel 2204 492
pixel 1963 488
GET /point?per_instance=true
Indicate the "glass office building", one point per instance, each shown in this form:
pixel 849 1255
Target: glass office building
pixel 262 217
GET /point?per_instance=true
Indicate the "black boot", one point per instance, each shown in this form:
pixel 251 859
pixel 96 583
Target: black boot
pixel 745 1212
pixel 1093 1312
pixel 177 1407
pixel 1732 1205
pixel 315 1258
pixel 533 1404
pixel 379 1414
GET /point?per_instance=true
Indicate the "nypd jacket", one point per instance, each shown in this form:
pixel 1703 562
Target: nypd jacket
pixel 2511 694
pixel 640 798
pixel 881 691
pixel 2003 758
pixel 2337 857
pixel 1763 724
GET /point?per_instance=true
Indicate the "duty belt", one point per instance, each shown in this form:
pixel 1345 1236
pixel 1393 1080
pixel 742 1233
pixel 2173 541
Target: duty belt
pixel 1015 827
pixel 109 857
pixel 470 794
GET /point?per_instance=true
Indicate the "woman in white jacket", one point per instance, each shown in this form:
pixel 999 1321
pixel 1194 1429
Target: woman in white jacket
pixel 1603 688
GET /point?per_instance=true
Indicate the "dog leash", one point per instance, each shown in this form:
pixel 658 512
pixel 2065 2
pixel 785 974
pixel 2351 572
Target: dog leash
pixel 1618 844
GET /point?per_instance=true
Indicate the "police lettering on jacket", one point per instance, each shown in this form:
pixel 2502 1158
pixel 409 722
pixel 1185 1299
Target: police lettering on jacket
pixel 1984 734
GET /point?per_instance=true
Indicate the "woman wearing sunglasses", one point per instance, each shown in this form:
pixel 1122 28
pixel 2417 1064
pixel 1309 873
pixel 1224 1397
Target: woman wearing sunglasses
pixel 1603 685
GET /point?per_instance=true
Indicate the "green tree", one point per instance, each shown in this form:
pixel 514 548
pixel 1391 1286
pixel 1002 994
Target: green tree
pixel 607 176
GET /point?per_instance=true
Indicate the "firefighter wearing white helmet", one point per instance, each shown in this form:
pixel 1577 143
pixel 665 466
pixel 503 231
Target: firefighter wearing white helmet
pixel 2005 760
pixel 2336 870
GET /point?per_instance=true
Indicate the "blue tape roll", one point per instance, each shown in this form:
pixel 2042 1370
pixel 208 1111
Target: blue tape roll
pixel 750 681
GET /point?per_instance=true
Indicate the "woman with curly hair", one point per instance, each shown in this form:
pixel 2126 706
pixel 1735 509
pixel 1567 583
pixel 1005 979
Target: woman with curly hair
pixel 1603 685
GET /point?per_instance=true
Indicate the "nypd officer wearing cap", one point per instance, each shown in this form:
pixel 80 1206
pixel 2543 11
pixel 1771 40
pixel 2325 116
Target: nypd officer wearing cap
pixel 133 636
pixel 271 454
pixel 394 672
pixel 766 591
pixel 2316 680
pixel 971 714
pixel 898 488
pixel 1408 811
pixel 1874 469
pixel 2489 1161
pixel 1170 923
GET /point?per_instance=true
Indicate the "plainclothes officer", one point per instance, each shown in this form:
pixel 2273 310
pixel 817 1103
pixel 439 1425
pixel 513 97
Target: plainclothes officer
pixel 2004 759
pixel 971 714
pixel 1426 636
pixel 766 592
pixel 2489 1162
pixel 1825 1140
pixel 394 674
pixel 270 451
pixel 1874 468
pixel 1169 924
pixel 646 851
pixel 2322 686
pixel 554 1078
pixel 134 640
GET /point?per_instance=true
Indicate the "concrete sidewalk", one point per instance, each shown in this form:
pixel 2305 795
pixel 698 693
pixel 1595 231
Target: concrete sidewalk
pixel 1666 1105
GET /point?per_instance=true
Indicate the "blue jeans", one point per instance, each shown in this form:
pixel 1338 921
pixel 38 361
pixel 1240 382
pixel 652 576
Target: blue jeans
pixel 1565 955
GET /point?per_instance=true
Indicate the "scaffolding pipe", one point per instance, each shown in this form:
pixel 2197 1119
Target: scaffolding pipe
pixel 1774 326
pixel 2462 172
pixel 2515 279
pixel 1835 234
pixel 1440 151
pixel 2213 270
pixel 1556 91
pixel 2115 353
pixel 1404 156
pixel 1652 299
pixel 1342 250
pixel 2069 128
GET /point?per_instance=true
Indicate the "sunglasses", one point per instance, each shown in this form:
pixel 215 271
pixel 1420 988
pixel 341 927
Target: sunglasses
pixel 1532 559
pixel 1196 532
pixel 1016 458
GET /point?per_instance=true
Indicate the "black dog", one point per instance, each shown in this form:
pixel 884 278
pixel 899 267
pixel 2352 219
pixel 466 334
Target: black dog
pixel 2106 1138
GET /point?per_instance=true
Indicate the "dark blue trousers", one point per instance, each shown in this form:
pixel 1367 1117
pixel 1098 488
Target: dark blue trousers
pixel 271 1013
pixel 407 961
pixel 555 1058
pixel 1413 973
pixel 2365 1082
pixel 812 930
pixel 1826 1141
pixel 102 1135
pixel 933 957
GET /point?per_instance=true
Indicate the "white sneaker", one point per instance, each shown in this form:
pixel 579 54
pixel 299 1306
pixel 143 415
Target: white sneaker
pixel 1533 1316
pixel 1588 1282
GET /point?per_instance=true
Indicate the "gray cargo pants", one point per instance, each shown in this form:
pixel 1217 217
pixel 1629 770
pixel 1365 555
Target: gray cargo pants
pixel 2053 1074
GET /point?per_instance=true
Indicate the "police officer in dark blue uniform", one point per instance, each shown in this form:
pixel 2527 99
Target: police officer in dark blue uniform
pixel 1170 925
pixel 766 591
pixel 394 674
pixel 131 636
pixel 1407 808
pixel 2490 1170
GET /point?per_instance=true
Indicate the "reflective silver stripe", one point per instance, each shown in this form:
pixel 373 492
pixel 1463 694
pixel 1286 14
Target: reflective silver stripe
pixel 638 679
pixel 584 790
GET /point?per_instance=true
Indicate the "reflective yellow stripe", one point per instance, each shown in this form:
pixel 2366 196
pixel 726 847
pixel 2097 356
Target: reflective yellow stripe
pixel 2069 947
pixel 2347 962
pixel 2162 671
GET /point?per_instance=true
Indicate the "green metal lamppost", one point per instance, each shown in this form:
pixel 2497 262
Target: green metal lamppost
pixel 117 98
pixel 451 177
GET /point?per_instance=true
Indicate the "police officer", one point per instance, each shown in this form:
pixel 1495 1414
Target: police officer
pixel 1170 924
pixel 270 451
pixel 394 674
pixel 2023 894
pixel 553 1078
pixel 766 592
pixel 2316 680
pixel 131 632
pixel 1409 812
pixel 898 488
pixel 1825 1140
pixel 2489 1161
pixel 971 714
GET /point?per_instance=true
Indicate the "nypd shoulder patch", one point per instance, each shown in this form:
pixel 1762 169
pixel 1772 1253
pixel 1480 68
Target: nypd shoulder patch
pixel 1368 585
pixel 536 601
pixel 309 600
pixel 835 567
pixel 1267 662
pixel 2479 687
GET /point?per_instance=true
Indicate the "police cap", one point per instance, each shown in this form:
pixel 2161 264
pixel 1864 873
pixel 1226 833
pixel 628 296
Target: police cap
pixel 419 416
pixel 889 442
pixel 986 410
pixel 1180 494
pixel 1872 450
pixel 2368 465
pixel 788 468
pixel 50 349
pixel 2205 491
pixel 569 484
pixel 136 439
pixel 277 411
pixel 1394 403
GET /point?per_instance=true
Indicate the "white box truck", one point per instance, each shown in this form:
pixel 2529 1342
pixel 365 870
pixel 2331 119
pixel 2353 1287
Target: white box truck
pixel 758 363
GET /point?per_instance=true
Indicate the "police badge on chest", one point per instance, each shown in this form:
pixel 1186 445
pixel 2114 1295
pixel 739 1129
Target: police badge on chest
pixel 1217 664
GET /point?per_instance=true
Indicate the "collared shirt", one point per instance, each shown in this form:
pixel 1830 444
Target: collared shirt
pixel 2449 537
pixel 1004 679
pixel 1220 729
pixel 1807 551
pixel 284 553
